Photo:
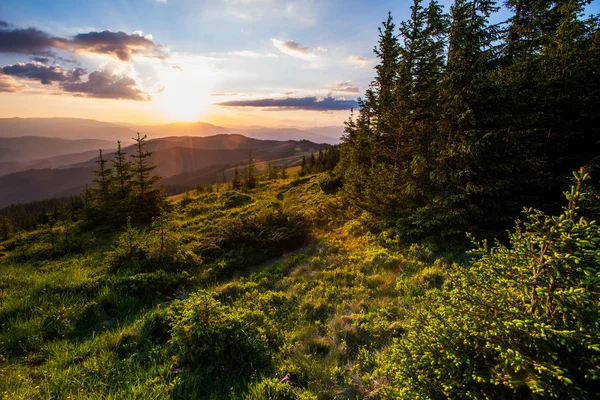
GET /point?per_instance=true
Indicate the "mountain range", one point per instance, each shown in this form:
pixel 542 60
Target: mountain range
pixel 183 161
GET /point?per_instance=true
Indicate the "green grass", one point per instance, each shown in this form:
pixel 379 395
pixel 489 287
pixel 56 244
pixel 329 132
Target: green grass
pixel 303 289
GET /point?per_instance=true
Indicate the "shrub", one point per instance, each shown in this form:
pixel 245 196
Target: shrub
pixel 256 238
pixel 522 322
pixel 270 389
pixel 142 250
pixel 329 183
pixel 236 199
pixel 220 340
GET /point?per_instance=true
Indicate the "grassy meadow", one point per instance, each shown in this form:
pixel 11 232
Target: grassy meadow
pixel 220 300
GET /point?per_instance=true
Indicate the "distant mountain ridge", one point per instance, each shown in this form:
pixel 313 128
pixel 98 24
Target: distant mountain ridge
pixel 174 156
pixel 75 128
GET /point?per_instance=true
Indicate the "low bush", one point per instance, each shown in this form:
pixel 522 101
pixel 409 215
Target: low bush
pixel 256 238
pixel 143 250
pixel 221 341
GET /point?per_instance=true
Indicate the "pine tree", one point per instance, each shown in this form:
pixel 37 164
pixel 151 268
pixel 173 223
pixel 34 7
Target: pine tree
pixel 122 185
pixel 236 181
pixel 7 228
pixel 103 181
pixel 148 199
pixel 250 174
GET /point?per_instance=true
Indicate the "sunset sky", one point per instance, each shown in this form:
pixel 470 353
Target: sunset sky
pixel 228 62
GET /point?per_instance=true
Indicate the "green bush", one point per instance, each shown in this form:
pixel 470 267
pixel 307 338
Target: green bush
pixel 256 238
pixel 269 389
pixel 143 250
pixel 236 199
pixel 219 340
pixel 522 322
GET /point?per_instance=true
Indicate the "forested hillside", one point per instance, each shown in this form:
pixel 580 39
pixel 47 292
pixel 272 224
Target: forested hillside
pixel 467 121
pixel 447 248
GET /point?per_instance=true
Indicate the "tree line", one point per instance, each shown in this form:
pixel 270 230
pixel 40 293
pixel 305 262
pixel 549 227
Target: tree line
pixel 467 120
pixel 324 161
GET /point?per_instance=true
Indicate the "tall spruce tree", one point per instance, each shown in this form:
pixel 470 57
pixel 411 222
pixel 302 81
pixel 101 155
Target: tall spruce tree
pixel 102 201
pixel 122 184
pixel 148 199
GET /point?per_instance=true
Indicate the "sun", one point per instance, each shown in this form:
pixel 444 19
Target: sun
pixel 182 104
pixel 186 94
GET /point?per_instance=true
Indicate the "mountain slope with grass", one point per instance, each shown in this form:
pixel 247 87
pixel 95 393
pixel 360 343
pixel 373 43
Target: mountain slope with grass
pixel 230 292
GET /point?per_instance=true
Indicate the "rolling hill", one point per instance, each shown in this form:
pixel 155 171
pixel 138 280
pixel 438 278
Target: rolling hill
pixel 203 159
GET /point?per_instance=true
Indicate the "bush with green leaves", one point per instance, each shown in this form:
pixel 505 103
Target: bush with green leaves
pixel 221 342
pixel 160 248
pixel 522 322
pixel 256 238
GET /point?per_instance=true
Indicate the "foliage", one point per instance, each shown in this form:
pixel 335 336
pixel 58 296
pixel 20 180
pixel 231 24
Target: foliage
pixel 521 322
pixel 325 161
pixel 159 248
pixel 467 121
pixel 224 343
pixel 125 190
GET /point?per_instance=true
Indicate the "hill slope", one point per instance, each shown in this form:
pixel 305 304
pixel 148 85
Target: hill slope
pixel 173 155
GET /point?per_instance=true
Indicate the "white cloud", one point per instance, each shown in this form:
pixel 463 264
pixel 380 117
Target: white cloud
pixel 294 49
pixel 359 61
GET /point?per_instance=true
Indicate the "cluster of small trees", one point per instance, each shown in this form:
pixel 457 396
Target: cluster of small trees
pixel 325 161
pixel 249 178
pixel 466 120
pixel 274 172
pixel 124 188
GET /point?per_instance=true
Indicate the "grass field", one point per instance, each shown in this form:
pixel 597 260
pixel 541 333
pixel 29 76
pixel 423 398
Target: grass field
pixel 283 279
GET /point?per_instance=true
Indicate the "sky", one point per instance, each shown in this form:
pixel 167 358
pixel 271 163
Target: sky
pixel 228 62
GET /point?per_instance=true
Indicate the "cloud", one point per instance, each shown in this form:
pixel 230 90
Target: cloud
pixel 244 53
pixel 118 44
pixel 9 85
pixel 178 67
pixel 161 1
pixel 359 61
pixel 294 49
pixel 343 87
pixel 42 60
pixel 106 84
pixel 46 74
pixel 28 41
pixel 3 24
pixel 296 103
pixel 223 94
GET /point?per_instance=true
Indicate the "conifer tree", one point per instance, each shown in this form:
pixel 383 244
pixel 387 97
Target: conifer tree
pixel 148 199
pixel 250 174
pixel 122 184
pixel 236 181
pixel 102 203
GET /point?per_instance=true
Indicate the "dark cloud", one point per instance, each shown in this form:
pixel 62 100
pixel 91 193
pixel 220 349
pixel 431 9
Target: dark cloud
pixel 3 24
pixel 296 103
pixel 106 84
pixel 28 41
pixel 46 74
pixel 343 87
pixel 42 60
pixel 9 85
pixel 118 44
